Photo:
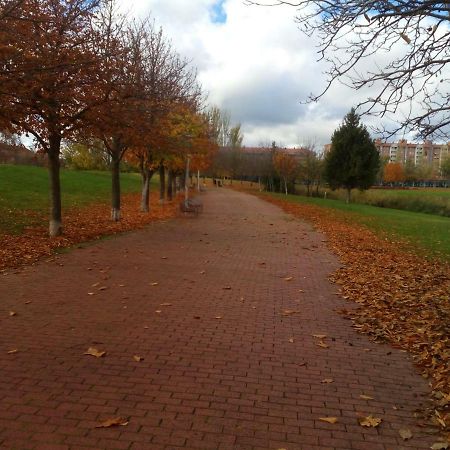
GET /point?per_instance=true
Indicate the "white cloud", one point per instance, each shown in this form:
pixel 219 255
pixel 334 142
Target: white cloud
pixel 257 65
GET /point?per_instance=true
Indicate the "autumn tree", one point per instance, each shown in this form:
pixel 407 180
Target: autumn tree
pixel 50 77
pixel 353 160
pixel 310 169
pixel 394 173
pixel 286 166
pixel 397 49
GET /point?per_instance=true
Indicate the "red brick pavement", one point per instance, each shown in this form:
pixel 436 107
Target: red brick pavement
pixel 205 383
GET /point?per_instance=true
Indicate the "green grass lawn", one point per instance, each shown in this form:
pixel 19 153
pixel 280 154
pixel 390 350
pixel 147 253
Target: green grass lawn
pixel 425 232
pixel 24 196
pixel 425 200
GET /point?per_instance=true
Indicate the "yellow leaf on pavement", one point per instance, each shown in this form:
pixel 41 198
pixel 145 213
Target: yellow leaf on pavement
pixel 91 351
pixel 405 433
pixel 366 397
pixel 369 421
pixel 328 419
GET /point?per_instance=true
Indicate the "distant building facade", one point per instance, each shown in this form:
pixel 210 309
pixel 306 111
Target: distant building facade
pixel 426 153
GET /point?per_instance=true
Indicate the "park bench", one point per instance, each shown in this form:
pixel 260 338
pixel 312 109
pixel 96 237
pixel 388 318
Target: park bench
pixel 191 205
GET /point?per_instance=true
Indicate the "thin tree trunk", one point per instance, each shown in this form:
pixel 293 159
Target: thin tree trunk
pixel 170 185
pixel 115 192
pixel 285 186
pixel 162 183
pixel 55 225
pixel 145 197
pixel 349 195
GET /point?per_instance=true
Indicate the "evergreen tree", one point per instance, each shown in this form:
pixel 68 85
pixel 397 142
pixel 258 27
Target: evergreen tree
pixel 353 160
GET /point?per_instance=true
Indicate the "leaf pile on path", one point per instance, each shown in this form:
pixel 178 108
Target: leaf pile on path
pixel 404 299
pixel 80 225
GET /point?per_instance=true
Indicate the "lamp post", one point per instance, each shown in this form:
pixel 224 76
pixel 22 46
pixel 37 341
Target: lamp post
pixel 186 179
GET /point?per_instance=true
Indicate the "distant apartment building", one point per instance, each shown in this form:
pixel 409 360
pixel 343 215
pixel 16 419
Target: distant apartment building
pixel 427 153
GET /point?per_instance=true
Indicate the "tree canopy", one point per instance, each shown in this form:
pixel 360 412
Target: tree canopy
pixel 353 160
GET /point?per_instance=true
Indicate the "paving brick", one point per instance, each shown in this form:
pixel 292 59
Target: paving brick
pixel 232 383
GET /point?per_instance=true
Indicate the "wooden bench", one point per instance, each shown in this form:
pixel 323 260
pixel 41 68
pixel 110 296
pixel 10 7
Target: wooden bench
pixel 191 205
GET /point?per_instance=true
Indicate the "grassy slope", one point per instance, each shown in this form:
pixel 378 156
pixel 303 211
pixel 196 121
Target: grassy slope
pixel 24 192
pixel 424 231
pixel 426 200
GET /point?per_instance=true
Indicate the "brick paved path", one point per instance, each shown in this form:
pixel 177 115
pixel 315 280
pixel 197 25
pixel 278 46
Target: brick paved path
pixel 234 382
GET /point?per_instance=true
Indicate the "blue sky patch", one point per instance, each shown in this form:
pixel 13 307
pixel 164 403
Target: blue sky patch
pixel 218 14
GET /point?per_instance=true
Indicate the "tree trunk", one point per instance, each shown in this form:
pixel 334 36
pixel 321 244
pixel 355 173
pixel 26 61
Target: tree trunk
pixel 308 189
pixel 285 187
pixel 162 182
pixel 145 197
pixel 349 195
pixel 175 185
pixel 55 225
pixel 170 185
pixel 115 192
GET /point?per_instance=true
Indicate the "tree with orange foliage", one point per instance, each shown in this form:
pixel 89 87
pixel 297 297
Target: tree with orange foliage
pixel 51 76
pixel 286 166
pixel 394 173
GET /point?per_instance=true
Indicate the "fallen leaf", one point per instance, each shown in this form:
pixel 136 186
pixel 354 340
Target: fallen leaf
pixel 327 380
pixel 319 336
pixel 440 446
pixel 163 257
pixel 113 422
pixel 288 278
pixel 323 345
pixel 218 317
pixel 369 421
pixel 165 304
pixel 91 351
pixel 102 288
pixel 203 272
pixel 138 358
pixel 405 433
pixel 158 311
pixel 95 284
pixel 196 317
pixel 227 288
pixel 328 419
pixel 12 313
pixel 91 293
pixel 155 283
pixel 11 352
pixel 290 312
pixel 27 302
pixel 365 397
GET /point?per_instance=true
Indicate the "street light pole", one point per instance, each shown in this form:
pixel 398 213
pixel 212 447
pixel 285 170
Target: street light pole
pixel 186 180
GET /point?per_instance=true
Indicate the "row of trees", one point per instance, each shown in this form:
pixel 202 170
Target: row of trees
pixel 76 74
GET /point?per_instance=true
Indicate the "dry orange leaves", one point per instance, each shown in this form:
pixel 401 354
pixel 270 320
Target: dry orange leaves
pixel 80 225
pixel 403 298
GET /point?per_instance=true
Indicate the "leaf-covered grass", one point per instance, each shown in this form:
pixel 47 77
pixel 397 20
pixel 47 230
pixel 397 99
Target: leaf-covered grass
pixel 426 232
pixel 24 194
pixel 426 200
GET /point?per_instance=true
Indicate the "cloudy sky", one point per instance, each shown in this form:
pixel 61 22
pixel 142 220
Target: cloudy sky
pixel 254 63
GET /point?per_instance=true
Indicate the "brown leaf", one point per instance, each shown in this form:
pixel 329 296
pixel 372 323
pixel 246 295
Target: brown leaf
pixel 91 351
pixel 12 313
pixel 328 419
pixel 227 288
pixel 440 446
pixel 113 422
pixel 320 336
pixel 369 421
pixel 323 345
pixel 91 293
pixel 138 358
pixel 290 312
pixel 154 283
pixel 102 288
pixel 165 304
pixel 405 433
pixel 291 340
pixel 158 311
pixel 327 380
pixel 365 397
pixel 11 352
pixel 288 278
